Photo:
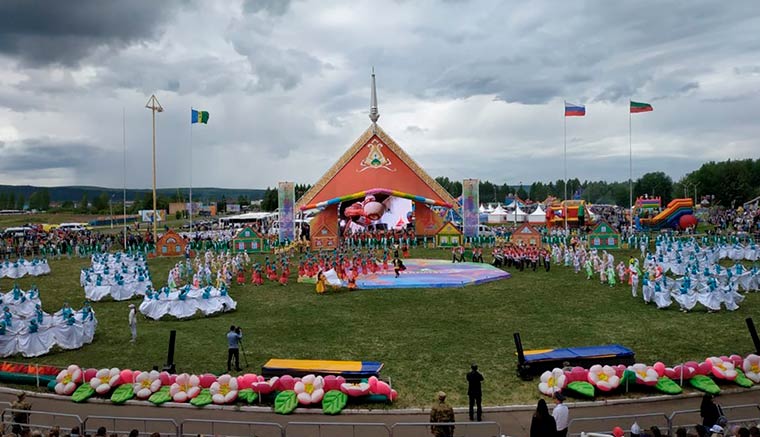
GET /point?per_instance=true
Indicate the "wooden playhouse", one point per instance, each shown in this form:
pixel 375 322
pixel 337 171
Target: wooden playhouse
pixel 171 244
pixel 526 235
pixel 448 236
pixel 603 237
pixel 248 240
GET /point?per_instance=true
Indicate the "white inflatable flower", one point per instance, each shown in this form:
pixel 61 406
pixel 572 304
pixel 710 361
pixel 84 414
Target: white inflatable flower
pixel 552 382
pixel 722 369
pixel 224 390
pixel 751 368
pixel 67 379
pixel 104 380
pixel 354 390
pixel 185 387
pixel 644 374
pixel 146 384
pixel 309 389
pixel 603 377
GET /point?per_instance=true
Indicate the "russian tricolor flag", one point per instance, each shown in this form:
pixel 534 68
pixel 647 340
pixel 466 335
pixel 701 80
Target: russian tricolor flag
pixel 574 110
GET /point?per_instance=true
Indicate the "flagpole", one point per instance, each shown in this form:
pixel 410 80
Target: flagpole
pixel 154 106
pixel 564 210
pixel 191 172
pixel 124 146
pixel 630 166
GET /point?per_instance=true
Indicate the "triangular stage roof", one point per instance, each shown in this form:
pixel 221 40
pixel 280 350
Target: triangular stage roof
pixel 449 229
pixel 375 163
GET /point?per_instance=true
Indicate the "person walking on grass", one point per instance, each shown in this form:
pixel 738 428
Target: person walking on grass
pixel 233 343
pixel 133 322
pixel 475 392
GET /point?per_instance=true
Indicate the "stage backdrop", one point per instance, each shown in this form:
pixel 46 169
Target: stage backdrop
pixel 286 196
pixel 470 202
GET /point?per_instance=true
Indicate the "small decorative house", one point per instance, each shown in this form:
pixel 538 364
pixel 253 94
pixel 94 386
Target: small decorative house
pixel 171 244
pixel 448 236
pixel 526 235
pixel 248 240
pixel 603 237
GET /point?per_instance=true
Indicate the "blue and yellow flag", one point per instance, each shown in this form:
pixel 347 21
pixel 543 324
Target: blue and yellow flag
pixel 198 116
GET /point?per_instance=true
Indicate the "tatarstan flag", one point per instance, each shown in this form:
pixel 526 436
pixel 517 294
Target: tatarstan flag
pixel 637 107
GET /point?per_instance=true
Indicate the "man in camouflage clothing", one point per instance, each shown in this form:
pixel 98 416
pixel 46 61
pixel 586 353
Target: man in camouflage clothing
pixel 21 417
pixel 442 412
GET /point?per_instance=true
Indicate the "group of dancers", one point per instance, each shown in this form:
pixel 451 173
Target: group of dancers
pixel 680 271
pixel 26 329
pixel 21 267
pixel 119 275
pixel 519 257
pixel 186 301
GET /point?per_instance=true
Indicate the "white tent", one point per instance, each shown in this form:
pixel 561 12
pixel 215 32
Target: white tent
pixel 482 209
pixel 498 215
pixel 537 216
pixel 518 215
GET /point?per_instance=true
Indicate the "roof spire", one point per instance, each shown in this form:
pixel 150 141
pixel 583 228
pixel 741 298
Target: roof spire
pixel 373 112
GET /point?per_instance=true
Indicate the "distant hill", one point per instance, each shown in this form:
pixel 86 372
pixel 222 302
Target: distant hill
pixel 75 193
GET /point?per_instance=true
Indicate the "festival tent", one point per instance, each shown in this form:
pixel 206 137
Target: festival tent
pixel 518 215
pixel 498 215
pixel 482 209
pixel 537 216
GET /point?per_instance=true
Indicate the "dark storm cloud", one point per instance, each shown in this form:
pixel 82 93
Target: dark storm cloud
pixel 48 153
pixel 61 32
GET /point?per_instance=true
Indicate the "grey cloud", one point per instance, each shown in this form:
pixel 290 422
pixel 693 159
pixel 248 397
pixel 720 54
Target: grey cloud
pixel 59 32
pixel 48 153
pixel 415 129
pixel 272 7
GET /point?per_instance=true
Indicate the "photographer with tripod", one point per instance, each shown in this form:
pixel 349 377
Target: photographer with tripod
pixel 233 342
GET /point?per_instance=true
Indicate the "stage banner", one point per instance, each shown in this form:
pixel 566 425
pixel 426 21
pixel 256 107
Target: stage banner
pixel 470 203
pixel 286 196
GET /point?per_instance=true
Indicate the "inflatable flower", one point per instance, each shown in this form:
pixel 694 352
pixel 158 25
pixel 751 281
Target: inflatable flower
pixel 309 389
pixel 67 379
pixel 354 390
pixel 104 380
pixel 751 368
pixel 722 369
pixel 644 374
pixel 186 387
pixel 552 382
pixel 224 390
pixel 146 384
pixel 262 386
pixel 604 378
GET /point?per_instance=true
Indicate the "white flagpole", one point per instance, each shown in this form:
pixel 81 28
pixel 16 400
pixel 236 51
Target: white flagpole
pixel 124 146
pixel 630 166
pixel 564 211
pixel 191 172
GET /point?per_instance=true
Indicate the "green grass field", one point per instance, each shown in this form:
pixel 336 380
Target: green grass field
pixel 426 338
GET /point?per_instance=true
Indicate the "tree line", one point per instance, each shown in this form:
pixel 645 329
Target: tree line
pixel 38 200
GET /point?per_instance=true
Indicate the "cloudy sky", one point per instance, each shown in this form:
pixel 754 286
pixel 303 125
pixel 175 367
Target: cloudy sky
pixel 468 88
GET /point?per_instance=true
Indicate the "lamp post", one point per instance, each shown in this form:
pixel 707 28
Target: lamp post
pixel 110 206
pixel 154 106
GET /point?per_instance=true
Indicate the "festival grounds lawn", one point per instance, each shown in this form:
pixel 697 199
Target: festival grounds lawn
pixel 427 338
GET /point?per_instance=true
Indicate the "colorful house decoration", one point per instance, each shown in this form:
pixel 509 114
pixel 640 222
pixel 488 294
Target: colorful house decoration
pixel 604 237
pixel 448 236
pixel 248 240
pixel 526 235
pixel 171 244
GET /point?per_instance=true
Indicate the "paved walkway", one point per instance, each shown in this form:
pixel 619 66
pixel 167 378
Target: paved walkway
pixel 514 420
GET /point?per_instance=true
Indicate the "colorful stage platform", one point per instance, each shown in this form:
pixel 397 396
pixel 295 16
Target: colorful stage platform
pixel 347 369
pixel 433 273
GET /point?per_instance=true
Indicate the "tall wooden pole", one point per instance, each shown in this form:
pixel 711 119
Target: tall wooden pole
pixel 154 106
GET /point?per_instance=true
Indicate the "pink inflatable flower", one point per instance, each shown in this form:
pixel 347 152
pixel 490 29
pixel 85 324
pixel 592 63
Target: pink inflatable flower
pixel 224 390
pixel 722 369
pixel 104 380
pixel 67 379
pixel 186 387
pixel 751 368
pixel 262 386
pixel 604 378
pixel 644 374
pixel 309 389
pixel 354 390
pixel 146 384
pixel 552 382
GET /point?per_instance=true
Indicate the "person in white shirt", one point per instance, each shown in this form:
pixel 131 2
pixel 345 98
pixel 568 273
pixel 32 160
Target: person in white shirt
pixel 561 415
pixel 133 322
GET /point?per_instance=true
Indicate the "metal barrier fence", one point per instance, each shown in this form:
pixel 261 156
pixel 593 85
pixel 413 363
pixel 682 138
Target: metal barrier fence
pixel 48 420
pixel 690 418
pixel 470 429
pixel 230 428
pixel 144 425
pixel 661 420
pixel 337 429
pixel 594 434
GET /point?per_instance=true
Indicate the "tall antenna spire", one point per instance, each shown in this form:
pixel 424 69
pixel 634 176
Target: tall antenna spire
pixel 373 112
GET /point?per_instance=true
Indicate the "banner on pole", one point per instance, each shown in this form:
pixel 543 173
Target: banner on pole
pixel 470 202
pixel 286 196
